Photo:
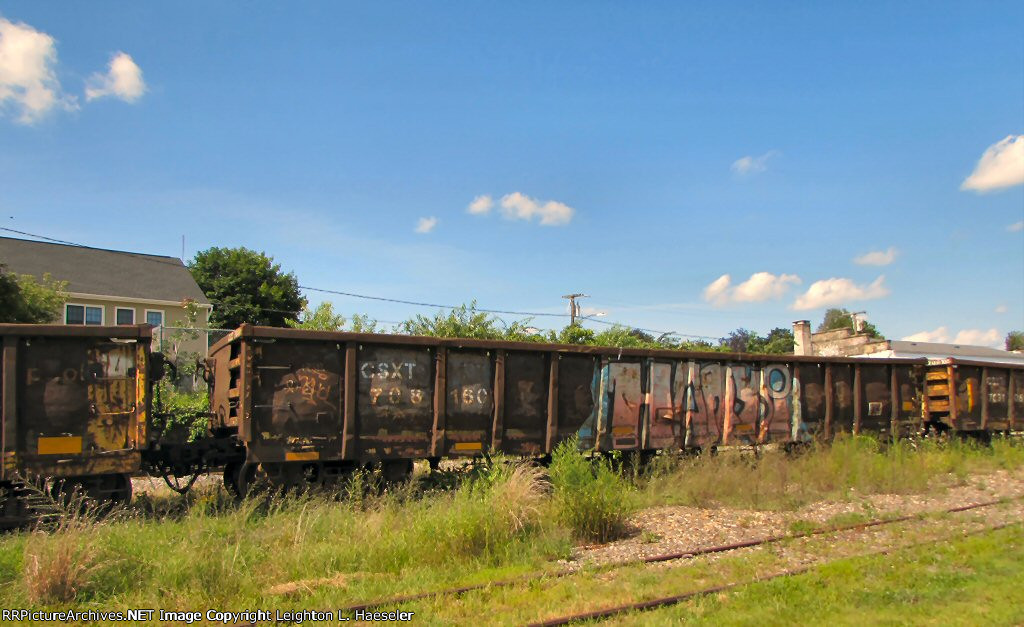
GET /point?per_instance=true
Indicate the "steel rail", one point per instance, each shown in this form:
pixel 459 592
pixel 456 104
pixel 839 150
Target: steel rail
pixel 664 557
pixel 679 598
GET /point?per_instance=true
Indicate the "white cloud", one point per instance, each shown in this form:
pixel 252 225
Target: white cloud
pixel 518 206
pixel 481 205
pixel 1001 309
pixel 123 80
pixel 1016 227
pixel 836 291
pixel 979 337
pixel 426 225
pixel 761 286
pixel 877 258
pixel 970 337
pixel 28 80
pixel 1002 165
pixel 940 335
pixel 752 165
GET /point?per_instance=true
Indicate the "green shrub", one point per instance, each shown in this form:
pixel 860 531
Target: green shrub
pixel 591 497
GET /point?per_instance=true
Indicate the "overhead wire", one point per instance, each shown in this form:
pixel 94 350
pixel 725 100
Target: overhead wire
pixel 529 314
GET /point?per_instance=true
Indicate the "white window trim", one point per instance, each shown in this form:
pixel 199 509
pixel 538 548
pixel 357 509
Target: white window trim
pixel 131 309
pixel 103 314
pixel 163 316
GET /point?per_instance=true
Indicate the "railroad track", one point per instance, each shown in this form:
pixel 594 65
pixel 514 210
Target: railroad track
pixel 616 610
pixel 397 600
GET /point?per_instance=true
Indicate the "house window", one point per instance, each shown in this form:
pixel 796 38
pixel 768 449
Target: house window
pixel 125 315
pixel 155 318
pixel 83 314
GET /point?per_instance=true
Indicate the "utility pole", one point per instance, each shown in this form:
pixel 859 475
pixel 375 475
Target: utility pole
pixel 858 322
pixel 574 308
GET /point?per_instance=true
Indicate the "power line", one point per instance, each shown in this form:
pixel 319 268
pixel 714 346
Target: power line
pixel 531 314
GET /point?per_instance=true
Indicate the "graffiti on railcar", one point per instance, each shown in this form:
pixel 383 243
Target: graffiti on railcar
pixel 70 385
pixel 577 402
pixel 744 396
pixel 968 397
pixel 622 401
pixel 526 397
pixel 395 400
pixel 705 404
pixel 998 395
pixel 470 378
pixel 780 417
pixel 297 393
pixel 665 425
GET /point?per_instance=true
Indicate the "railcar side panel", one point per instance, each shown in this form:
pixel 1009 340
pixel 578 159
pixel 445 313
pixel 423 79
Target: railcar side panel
pixel 705 396
pixel 776 405
pixel 298 398
pixel 842 398
pixel 995 394
pixel 395 401
pixel 812 400
pixel 1016 394
pixel 577 403
pixel 968 398
pixel 666 414
pixel 470 402
pixel 743 404
pixel 526 401
pixel 876 399
pixel 621 408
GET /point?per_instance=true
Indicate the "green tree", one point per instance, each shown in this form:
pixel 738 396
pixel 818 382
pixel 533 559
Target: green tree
pixel 779 341
pixel 322 318
pixel 1015 341
pixel 573 334
pixel 246 286
pixel 838 318
pixel 24 300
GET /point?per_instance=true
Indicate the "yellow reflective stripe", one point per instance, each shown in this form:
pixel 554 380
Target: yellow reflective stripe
pixel 60 446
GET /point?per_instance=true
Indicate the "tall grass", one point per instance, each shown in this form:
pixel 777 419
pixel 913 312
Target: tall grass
pixel 208 550
pixel 850 465
pixel 591 497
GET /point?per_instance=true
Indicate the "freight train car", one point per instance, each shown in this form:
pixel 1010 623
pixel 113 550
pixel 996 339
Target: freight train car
pixel 309 406
pixel 75 407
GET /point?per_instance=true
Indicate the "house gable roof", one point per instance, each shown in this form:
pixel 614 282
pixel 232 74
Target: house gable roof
pixel 103 272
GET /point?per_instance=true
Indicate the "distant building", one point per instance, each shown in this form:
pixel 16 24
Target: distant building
pixel 111 287
pixel 846 343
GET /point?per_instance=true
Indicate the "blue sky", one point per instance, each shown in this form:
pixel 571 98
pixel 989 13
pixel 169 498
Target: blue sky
pixel 637 152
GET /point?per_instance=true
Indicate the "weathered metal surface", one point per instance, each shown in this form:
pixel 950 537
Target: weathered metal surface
pixel 74 402
pixel 621 406
pixel 705 404
pixel 395 401
pixel 812 400
pixel 842 393
pixel 969 397
pixel 743 404
pixel 876 399
pixel 576 403
pixel 666 415
pixel 525 410
pixel 470 402
pixel 405 398
pixel 297 400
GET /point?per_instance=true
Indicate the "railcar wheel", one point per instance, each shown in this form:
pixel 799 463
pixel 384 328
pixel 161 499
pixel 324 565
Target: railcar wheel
pixel 396 470
pixel 239 477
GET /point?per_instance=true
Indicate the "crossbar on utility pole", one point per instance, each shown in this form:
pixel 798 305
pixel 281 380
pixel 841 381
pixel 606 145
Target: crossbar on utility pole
pixel 574 308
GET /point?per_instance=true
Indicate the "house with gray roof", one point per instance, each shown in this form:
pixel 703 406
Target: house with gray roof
pixel 111 287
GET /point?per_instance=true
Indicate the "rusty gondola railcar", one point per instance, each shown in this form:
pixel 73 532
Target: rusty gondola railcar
pixel 311 405
pixel 75 405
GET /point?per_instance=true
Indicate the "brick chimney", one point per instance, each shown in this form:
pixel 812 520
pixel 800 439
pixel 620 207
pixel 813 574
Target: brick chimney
pixel 802 338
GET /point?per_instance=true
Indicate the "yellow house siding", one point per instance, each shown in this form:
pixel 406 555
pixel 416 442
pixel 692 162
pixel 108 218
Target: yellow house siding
pixel 174 316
